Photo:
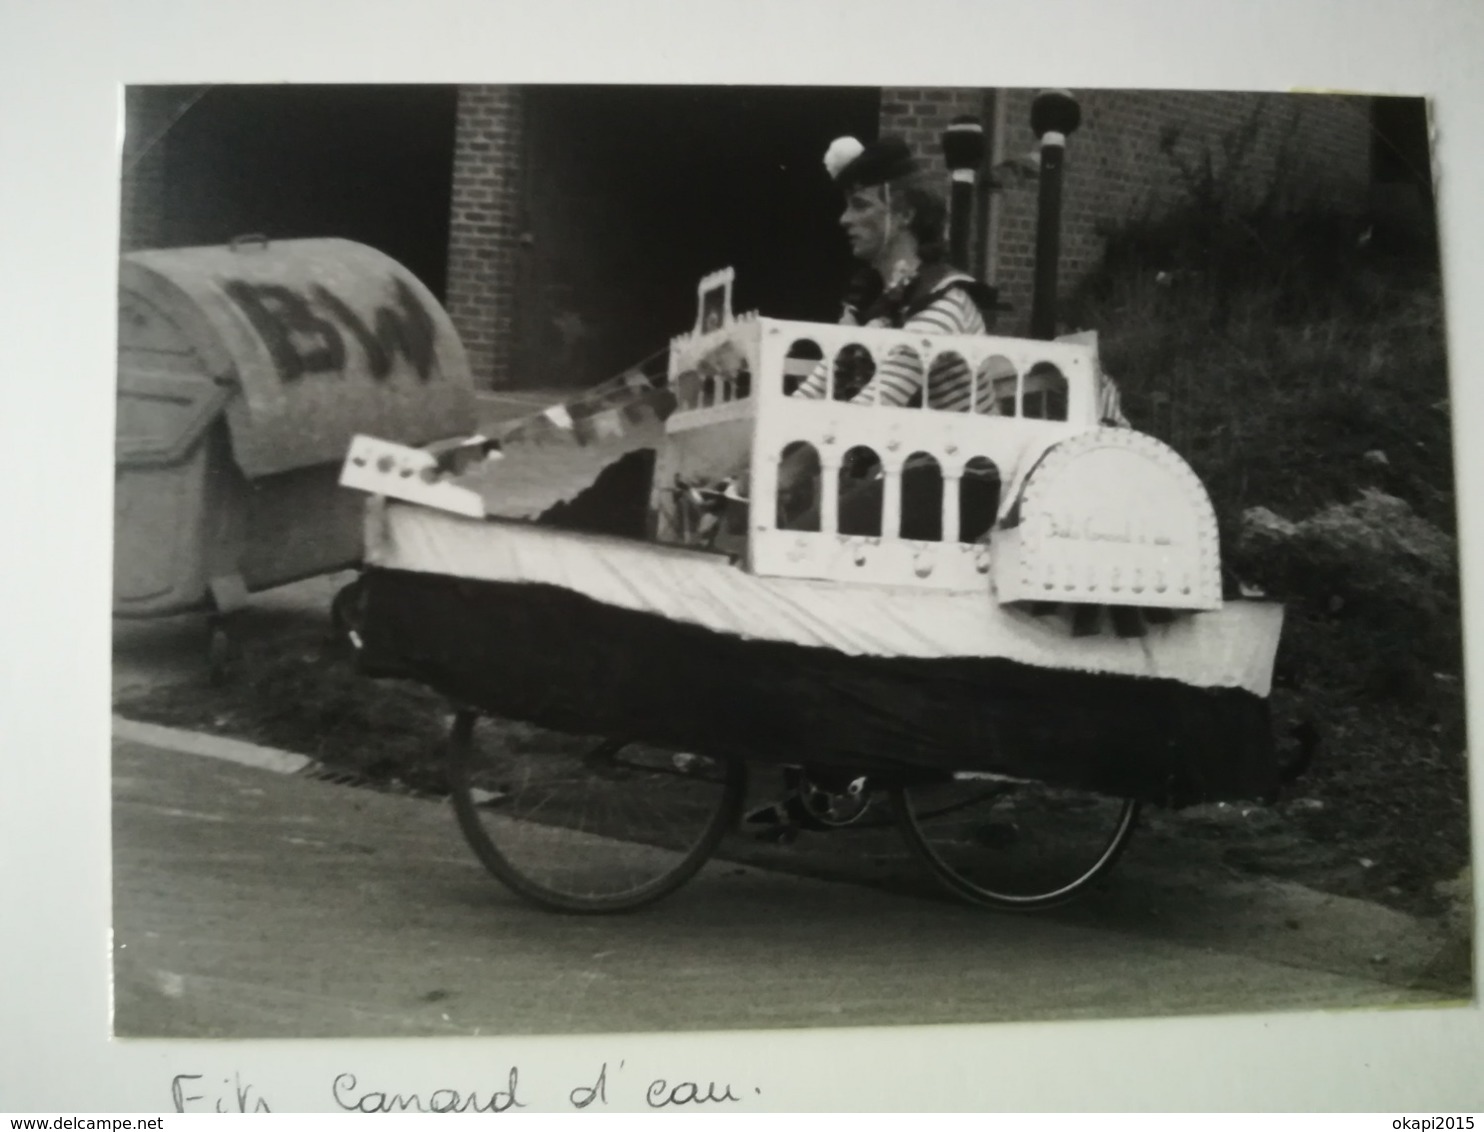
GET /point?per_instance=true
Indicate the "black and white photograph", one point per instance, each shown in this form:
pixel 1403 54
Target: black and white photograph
pixel 754 558
pixel 665 558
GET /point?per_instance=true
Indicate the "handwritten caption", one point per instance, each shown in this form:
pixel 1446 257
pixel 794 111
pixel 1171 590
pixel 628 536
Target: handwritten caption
pixel 196 1092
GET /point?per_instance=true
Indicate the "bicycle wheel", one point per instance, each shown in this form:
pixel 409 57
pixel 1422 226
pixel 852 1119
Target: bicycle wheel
pixel 579 826
pixel 1012 845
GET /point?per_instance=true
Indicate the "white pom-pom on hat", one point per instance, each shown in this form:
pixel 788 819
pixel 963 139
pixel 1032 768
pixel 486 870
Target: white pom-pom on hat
pixel 841 153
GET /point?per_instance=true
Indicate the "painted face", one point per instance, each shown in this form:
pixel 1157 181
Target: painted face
pixel 867 222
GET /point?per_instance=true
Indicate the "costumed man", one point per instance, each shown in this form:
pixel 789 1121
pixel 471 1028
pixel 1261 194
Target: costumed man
pixel 895 221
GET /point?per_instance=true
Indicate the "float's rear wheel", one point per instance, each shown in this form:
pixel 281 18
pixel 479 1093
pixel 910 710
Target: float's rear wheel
pixel 588 826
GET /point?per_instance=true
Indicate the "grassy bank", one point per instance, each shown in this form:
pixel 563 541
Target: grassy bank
pixel 1297 360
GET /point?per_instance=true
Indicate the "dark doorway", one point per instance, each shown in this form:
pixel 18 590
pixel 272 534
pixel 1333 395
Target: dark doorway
pixel 368 163
pixel 1400 150
pixel 636 192
pixel 1403 206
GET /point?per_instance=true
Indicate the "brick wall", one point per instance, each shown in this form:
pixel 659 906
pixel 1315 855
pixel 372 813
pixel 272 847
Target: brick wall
pixel 486 222
pixel 1115 168
pixel 920 116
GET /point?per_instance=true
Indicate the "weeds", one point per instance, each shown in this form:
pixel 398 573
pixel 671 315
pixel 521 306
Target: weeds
pixel 1295 356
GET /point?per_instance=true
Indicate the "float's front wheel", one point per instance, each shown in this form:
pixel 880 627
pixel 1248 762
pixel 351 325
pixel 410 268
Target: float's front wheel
pixel 1016 846
pixel 588 826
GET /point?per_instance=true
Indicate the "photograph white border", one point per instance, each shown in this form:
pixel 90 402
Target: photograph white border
pixel 62 68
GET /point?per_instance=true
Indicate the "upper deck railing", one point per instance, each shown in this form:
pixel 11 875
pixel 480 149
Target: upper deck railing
pixel 825 479
pixel 844 485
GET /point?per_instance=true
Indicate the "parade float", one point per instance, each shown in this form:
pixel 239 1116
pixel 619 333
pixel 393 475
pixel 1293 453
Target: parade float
pixel 1003 629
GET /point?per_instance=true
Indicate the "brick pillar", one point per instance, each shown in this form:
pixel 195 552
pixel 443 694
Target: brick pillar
pixel 486 223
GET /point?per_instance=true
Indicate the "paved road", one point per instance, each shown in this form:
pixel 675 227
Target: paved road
pixel 256 904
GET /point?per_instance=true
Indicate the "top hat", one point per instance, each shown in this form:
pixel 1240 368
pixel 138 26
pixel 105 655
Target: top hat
pixel 856 166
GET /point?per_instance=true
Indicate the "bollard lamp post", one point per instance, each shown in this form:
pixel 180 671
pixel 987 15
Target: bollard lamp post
pixel 963 151
pixel 1055 115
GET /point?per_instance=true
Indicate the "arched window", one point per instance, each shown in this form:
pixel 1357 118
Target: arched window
pixel 1044 396
pixel 854 368
pixel 994 387
pixel 978 499
pixel 688 390
pixel 799 482
pixel 922 498
pixel 949 383
pixel 860 486
pixel 802 359
pixel 899 381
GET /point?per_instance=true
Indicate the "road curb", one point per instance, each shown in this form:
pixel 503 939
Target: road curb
pixel 211 746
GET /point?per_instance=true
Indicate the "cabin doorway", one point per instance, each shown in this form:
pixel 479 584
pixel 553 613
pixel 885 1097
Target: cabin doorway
pixel 634 193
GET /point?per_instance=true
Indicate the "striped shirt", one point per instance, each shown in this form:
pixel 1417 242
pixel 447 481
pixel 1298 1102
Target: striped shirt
pixel 899 376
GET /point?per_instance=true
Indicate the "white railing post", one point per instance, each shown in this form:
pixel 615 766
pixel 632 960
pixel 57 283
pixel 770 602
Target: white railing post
pixel 829 495
pixel 891 501
pixel 952 521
